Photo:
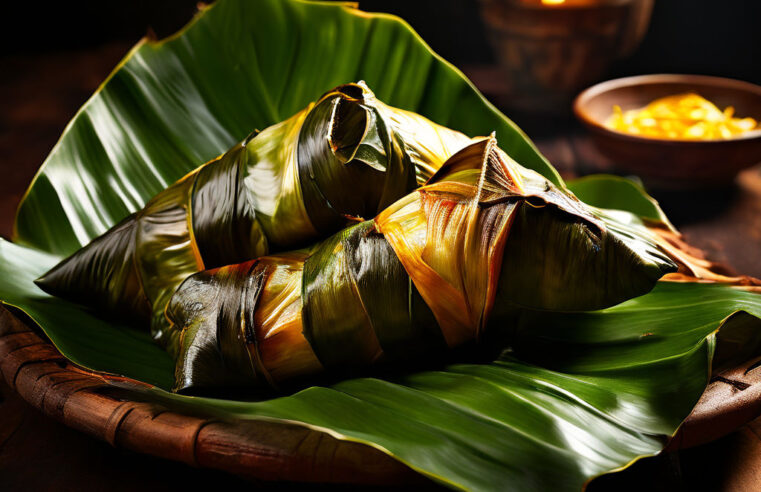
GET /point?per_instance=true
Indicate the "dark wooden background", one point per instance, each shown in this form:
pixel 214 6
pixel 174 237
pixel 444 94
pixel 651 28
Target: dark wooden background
pixel 47 75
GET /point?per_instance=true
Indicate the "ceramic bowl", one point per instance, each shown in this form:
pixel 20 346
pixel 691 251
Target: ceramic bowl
pixel 672 164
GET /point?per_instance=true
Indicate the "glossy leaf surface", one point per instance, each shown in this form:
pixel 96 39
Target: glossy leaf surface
pixel 580 394
pixel 608 191
pixel 241 65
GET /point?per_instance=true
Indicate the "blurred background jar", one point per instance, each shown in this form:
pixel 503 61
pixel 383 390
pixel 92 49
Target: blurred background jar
pixel 548 50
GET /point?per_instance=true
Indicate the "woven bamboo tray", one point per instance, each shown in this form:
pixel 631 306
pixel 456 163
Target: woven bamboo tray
pixel 258 450
pixel 266 450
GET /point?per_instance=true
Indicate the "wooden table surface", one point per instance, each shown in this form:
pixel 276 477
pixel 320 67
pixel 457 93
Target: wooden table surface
pixel 39 94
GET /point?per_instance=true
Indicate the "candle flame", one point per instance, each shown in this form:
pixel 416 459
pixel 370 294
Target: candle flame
pixel 553 2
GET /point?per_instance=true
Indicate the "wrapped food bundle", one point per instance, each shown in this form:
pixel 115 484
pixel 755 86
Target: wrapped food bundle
pixel 343 157
pixel 434 270
pixel 436 267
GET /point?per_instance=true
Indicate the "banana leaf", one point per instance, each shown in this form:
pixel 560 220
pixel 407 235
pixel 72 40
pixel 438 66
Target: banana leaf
pixel 239 65
pixel 615 192
pixel 576 395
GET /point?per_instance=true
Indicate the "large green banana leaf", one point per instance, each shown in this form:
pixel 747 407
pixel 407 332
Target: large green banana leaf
pixel 578 395
pixel 240 65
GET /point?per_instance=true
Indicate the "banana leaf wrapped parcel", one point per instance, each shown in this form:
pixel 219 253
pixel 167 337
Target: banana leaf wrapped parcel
pixel 482 238
pixel 344 156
